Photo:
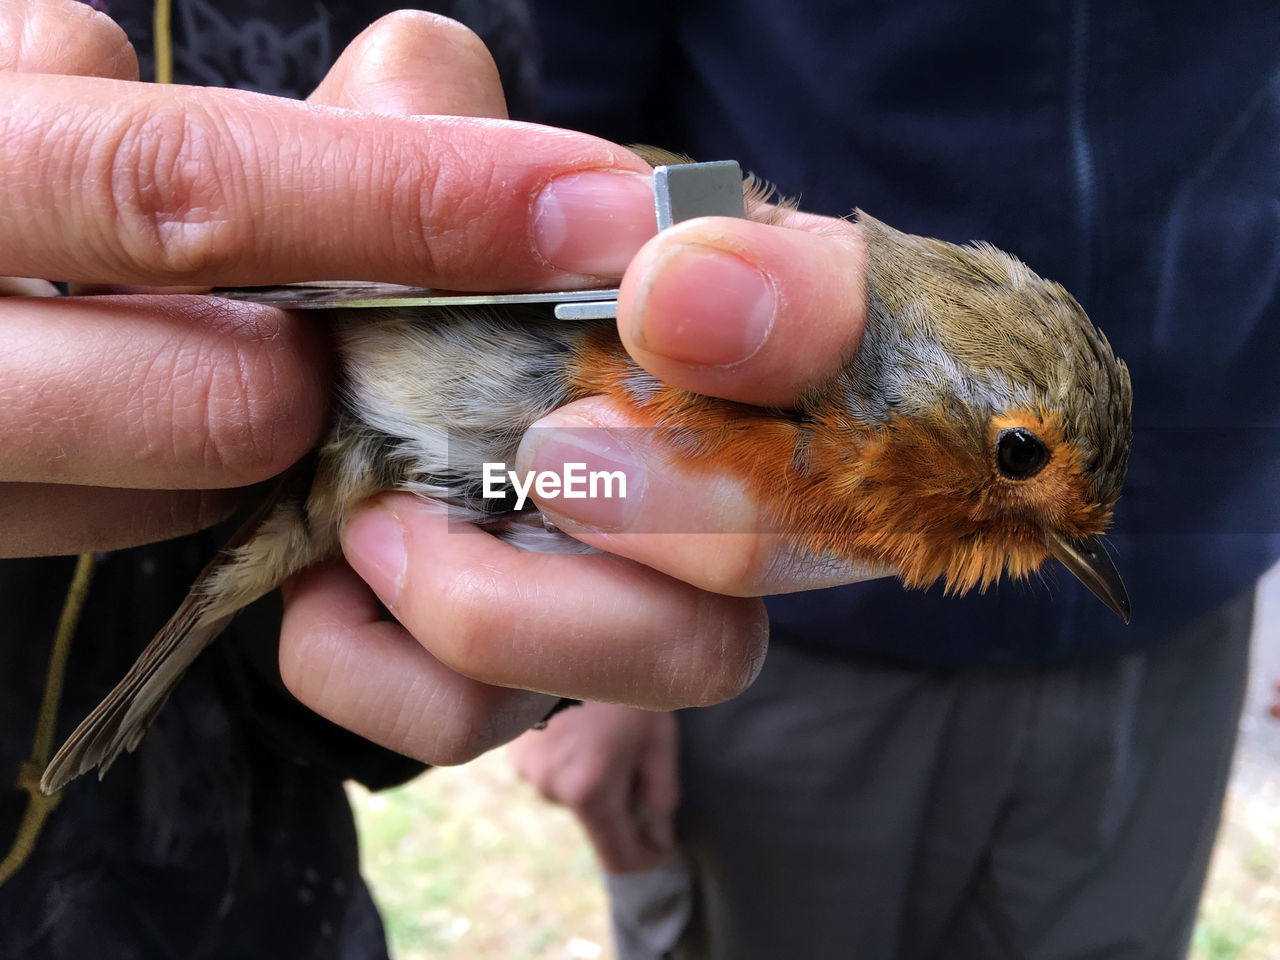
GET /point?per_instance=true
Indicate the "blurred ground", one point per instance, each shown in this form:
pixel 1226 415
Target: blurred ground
pixel 469 863
pixel 1240 913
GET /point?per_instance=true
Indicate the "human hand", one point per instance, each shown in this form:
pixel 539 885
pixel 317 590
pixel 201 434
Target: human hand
pixel 477 621
pixel 662 633
pixel 746 311
pixel 131 419
pixel 617 769
pixel 474 608
pixel 452 683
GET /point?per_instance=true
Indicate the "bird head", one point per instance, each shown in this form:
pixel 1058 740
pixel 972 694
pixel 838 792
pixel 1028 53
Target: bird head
pixel 983 425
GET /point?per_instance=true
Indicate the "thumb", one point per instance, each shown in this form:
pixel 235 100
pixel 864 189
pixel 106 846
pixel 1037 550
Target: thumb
pixel 412 62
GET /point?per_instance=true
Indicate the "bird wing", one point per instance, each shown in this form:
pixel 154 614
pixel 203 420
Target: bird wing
pixel 234 578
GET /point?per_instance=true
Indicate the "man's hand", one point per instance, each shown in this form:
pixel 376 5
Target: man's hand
pixel 617 769
pixel 478 621
pixel 130 420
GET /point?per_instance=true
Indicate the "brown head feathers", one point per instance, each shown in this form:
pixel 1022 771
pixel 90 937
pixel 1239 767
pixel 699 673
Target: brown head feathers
pixel 982 413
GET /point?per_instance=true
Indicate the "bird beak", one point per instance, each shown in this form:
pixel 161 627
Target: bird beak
pixel 1089 562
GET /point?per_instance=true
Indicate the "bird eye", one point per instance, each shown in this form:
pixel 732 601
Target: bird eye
pixel 1020 454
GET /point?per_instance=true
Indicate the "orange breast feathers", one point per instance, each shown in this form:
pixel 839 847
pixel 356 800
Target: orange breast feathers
pixel 921 496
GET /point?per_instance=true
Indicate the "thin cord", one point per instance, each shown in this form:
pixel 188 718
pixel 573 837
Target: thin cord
pixel 39 806
pixel 162 41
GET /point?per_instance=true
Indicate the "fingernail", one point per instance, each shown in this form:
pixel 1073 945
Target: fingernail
pixel 373 542
pixel 597 479
pixel 594 222
pixel 703 306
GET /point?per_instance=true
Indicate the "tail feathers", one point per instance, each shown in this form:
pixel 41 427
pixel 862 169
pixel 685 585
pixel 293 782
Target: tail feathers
pixel 273 544
pixel 119 722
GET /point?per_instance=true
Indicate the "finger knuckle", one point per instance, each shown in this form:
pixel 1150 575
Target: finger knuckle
pixel 222 403
pixel 464 736
pixel 246 416
pixel 583 791
pixel 722 651
pixel 172 175
pixel 451 203
pixel 229 398
pixel 468 601
pixel 312 657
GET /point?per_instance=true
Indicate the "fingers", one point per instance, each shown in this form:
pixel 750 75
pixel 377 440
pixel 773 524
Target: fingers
pixel 588 627
pixel 41 519
pixel 126 183
pixel 619 837
pixel 630 814
pixel 657 782
pixel 729 308
pixel 691 520
pixel 616 768
pixel 741 310
pixel 169 392
pixel 65 37
pixel 414 62
pixel 599 792
pixel 105 394
pixel 370 676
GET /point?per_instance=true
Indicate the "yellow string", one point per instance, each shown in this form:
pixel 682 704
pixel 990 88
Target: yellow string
pixel 162 41
pixel 40 806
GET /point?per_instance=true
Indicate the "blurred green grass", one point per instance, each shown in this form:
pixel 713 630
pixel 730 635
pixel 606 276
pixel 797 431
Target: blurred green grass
pixel 1240 912
pixel 468 862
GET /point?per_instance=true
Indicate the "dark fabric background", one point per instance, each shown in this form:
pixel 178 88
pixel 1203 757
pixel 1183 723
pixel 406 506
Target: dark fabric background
pixel 1129 151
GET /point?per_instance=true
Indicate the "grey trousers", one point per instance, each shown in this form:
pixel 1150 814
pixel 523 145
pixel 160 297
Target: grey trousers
pixel 849 810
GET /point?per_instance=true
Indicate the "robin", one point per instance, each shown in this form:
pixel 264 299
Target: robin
pixel 982 426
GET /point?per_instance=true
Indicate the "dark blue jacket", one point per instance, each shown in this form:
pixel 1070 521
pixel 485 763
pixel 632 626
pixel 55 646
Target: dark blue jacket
pixel 1130 151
